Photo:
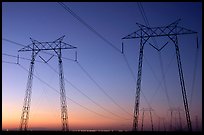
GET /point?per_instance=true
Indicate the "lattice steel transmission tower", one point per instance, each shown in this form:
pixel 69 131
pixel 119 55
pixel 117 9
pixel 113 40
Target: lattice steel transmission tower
pixel 57 46
pixel 150 113
pixel 144 33
pixel 171 119
pixel 176 112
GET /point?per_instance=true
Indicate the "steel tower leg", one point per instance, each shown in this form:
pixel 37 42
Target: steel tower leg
pixel 64 116
pixel 142 120
pixel 139 75
pixel 27 99
pixel 151 120
pixel 171 120
pixel 185 101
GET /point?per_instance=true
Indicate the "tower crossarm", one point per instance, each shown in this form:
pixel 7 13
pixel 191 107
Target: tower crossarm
pixel 54 45
pixel 170 30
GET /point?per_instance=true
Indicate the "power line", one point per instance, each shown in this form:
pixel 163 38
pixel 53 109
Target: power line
pixel 86 95
pixel 128 65
pixel 85 72
pixel 66 96
pixel 159 53
pixel 164 79
pixel 143 13
pixel 160 82
pixel 154 74
pixel 132 73
pixel 9 55
pixel 39 100
pixel 147 23
pixel 13 42
pixel 8 62
pixel 72 84
pixel 152 32
pixel 93 80
pixel 133 76
pixel 57 56
pixel 194 71
pixel 135 80
pixel 87 25
pixel 68 81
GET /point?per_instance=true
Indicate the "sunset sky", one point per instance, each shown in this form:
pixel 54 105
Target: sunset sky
pixel 110 96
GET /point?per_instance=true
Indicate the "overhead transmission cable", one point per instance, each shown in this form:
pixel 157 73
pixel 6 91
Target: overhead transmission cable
pixel 73 14
pixel 87 25
pixel 159 53
pixel 70 84
pixel 93 30
pixel 66 96
pixel 8 62
pixel 131 71
pixel 85 94
pixel 102 89
pixel 160 82
pixel 9 55
pixel 70 98
pixel 194 71
pixel 129 67
pixel 13 42
pixel 133 76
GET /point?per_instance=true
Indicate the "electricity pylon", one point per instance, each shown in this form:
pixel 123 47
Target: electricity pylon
pixel 57 46
pixel 173 112
pixel 142 118
pixel 150 113
pixel 144 34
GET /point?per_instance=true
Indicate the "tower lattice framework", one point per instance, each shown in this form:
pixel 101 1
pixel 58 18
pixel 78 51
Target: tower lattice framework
pixel 57 46
pixel 144 33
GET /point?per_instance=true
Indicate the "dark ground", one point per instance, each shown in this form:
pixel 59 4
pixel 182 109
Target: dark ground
pixel 98 133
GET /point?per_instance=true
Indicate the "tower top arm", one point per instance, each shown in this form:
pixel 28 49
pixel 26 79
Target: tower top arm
pixel 169 30
pixel 55 45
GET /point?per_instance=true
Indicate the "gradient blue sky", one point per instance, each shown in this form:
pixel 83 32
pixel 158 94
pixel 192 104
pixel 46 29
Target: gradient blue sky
pixel 49 21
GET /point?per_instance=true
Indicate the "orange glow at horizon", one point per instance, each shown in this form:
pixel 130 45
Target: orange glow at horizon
pixel 55 123
pixel 49 119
